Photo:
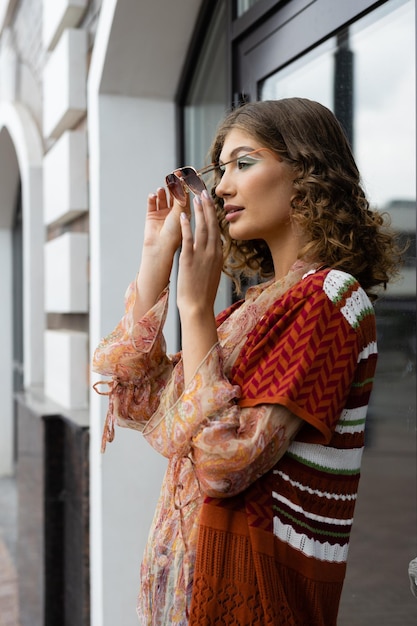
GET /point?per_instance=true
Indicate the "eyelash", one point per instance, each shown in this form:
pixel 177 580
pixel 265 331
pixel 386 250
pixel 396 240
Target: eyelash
pixel 241 164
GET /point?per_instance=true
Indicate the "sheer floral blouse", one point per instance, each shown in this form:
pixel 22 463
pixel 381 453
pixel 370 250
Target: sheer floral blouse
pixel 214 445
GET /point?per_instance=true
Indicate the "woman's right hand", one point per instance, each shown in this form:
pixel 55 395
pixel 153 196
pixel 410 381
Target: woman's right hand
pixel 162 227
pixel 162 238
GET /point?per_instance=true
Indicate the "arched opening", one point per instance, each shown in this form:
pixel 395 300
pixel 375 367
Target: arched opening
pixel 21 276
pixel 21 234
pixel 11 313
pixel 21 152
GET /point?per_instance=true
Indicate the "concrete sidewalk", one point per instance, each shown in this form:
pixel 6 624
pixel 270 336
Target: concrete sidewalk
pixel 384 535
pixel 9 610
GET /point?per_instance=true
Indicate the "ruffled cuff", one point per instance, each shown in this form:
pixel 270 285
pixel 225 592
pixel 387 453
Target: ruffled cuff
pixel 134 344
pixel 134 355
pixel 130 403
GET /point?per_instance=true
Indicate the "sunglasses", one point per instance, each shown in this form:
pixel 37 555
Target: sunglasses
pixel 186 179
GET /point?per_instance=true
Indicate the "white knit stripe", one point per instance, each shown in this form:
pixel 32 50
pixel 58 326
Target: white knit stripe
pixel 371 348
pixel 325 458
pixel 336 283
pixel 356 306
pixel 318 518
pixel 352 420
pixel 353 415
pixel 315 492
pixel 310 547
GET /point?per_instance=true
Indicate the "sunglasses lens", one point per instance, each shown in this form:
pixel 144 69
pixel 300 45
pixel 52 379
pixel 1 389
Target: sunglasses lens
pixel 175 187
pixel 192 180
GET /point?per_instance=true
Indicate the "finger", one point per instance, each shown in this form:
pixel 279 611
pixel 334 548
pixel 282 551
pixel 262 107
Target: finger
pixel 162 200
pixel 210 218
pixel 187 235
pixel 201 231
pixel 152 202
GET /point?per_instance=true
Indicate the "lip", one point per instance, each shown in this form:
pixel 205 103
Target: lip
pixel 232 210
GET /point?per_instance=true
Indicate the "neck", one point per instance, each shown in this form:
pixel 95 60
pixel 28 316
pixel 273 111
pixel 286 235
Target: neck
pixel 284 258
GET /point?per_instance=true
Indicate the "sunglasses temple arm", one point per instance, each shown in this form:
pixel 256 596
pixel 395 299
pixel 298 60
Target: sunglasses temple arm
pixel 207 169
pixel 214 166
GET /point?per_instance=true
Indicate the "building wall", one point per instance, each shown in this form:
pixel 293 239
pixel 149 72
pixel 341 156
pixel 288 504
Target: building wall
pixel 88 127
pixel 76 112
pixel 24 36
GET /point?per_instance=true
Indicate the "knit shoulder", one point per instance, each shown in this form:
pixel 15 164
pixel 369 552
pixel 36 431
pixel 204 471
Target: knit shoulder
pixel 339 288
pixel 346 293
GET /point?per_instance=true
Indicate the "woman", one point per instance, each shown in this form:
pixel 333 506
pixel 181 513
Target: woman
pixel 262 414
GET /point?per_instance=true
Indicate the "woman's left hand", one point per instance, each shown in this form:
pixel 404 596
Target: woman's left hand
pixel 201 258
pixel 200 265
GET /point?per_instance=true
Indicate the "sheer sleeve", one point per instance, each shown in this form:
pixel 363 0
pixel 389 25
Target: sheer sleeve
pixel 183 412
pixel 229 446
pixel 229 455
pixel 133 344
pixel 134 356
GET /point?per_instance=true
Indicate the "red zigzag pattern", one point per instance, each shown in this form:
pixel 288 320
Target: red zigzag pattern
pixel 305 356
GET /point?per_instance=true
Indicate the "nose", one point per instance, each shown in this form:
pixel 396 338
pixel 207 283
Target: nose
pixel 223 188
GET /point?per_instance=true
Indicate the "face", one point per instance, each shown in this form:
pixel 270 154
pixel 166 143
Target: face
pixel 256 191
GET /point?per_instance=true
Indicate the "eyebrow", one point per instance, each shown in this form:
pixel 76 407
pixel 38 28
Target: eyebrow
pixel 234 153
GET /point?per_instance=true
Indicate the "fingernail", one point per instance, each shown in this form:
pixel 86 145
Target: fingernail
pixel 206 194
pixel 197 199
pixel 184 216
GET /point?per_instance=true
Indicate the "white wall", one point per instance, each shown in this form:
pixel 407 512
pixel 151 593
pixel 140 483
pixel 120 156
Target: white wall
pixel 125 482
pixel 33 298
pixel 6 370
pixel 6 10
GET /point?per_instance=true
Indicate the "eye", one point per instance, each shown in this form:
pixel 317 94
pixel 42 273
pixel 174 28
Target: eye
pixel 245 162
pixel 240 163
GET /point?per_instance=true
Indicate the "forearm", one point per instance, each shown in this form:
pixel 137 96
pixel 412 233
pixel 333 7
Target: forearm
pixel 162 237
pixel 152 278
pixel 200 266
pixel 199 335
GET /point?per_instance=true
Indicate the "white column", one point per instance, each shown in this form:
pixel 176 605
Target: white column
pixel 6 369
pixel 33 277
pixel 132 80
pixel 126 163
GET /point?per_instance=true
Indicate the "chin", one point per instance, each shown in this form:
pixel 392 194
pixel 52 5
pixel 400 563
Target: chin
pixel 242 234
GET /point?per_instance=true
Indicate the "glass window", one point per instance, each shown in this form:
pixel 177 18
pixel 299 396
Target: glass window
pixel 376 88
pixel 382 107
pixel 244 5
pixel 206 102
pixel 310 77
pixel 207 96
pixel 383 90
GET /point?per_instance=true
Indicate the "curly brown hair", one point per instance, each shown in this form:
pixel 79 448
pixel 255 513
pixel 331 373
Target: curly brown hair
pixel 329 204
